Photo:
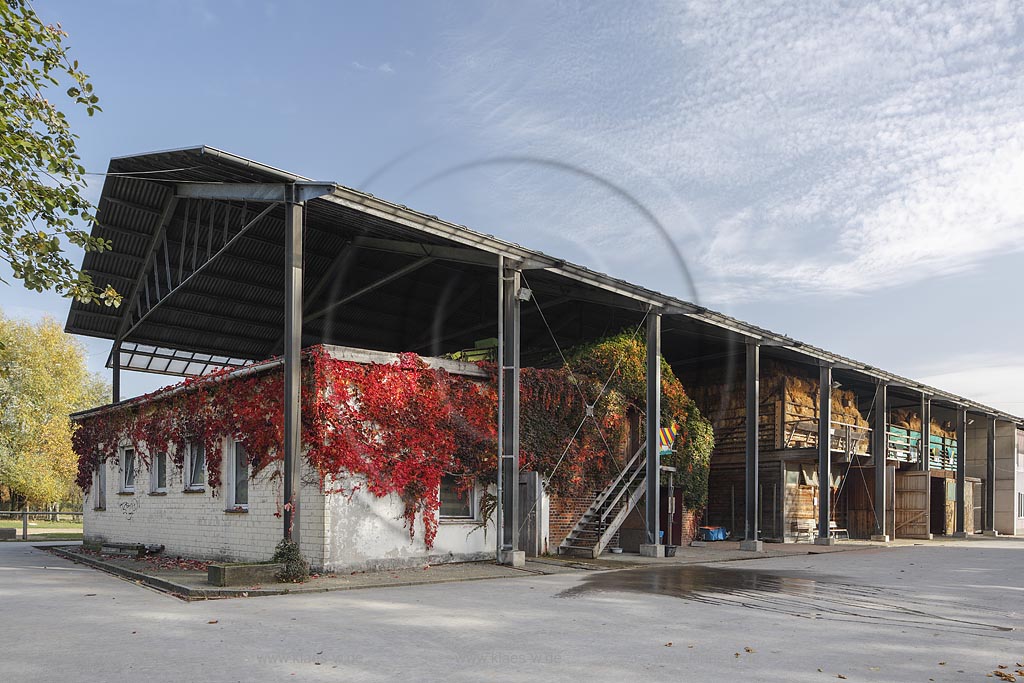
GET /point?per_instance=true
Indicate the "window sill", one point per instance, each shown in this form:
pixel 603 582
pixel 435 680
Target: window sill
pixel 237 511
pixel 194 490
pixel 99 509
pixel 158 493
pixel 126 493
pixel 458 520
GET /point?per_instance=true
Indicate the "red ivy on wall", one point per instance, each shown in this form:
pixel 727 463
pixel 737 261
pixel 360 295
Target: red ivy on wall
pixel 397 427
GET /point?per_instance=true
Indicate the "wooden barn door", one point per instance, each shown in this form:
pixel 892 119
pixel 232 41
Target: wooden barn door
pixel 912 505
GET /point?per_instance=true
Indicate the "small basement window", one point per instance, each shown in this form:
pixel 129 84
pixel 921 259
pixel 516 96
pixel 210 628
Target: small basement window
pixel 238 487
pixel 456 504
pixel 158 473
pixel 195 467
pixel 128 470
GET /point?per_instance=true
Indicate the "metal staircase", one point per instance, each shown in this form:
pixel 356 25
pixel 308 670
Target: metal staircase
pixel 598 525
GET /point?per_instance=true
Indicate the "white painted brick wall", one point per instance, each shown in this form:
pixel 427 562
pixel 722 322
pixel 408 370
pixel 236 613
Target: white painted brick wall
pixel 364 532
pixel 196 525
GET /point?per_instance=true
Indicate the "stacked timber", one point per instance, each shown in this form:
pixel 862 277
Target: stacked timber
pixel 910 418
pixel 801 408
pixel 725 405
pixel 788 409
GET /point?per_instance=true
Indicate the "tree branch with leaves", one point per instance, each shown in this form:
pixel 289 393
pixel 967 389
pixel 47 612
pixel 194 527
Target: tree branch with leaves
pixel 41 176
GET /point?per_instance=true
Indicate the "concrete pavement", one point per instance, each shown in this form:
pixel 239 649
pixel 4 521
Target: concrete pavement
pixel 917 613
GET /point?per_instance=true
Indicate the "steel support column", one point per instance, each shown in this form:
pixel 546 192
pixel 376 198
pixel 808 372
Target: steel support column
pixel 752 393
pixel 292 368
pixel 824 454
pixel 652 498
pixel 880 451
pixel 989 522
pixel 509 286
pixel 115 371
pixel 961 472
pixel 926 432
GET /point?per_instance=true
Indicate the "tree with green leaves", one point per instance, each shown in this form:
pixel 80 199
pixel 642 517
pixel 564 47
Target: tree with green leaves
pixel 43 378
pixel 41 177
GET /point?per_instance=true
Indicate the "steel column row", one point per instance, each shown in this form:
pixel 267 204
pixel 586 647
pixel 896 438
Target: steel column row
pixel 961 471
pixel 653 494
pixel 292 368
pixel 880 451
pixel 508 409
pixel 824 452
pixel 753 465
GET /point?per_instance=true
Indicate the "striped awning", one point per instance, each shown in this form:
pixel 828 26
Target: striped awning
pixel 666 437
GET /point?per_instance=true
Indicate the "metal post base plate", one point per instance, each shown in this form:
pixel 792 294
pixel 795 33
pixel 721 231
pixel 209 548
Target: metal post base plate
pixel 961 534
pixel 752 546
pixel 825 541
pixel 880 538
pixel 512 558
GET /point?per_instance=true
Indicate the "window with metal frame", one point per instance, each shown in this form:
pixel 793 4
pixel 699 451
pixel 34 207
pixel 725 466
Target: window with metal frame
pixel 127 470
pixel 158 473
pixel 195 467
pixel 456 504
pixel 239 472
pixel 99 485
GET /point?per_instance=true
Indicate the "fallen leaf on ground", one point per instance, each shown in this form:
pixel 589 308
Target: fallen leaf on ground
pixel 750 649
pixel 668 644
pixel 212 621
pixel 841 676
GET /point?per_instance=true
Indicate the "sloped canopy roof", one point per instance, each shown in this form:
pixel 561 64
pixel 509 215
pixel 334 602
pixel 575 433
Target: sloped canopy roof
pixel 377 276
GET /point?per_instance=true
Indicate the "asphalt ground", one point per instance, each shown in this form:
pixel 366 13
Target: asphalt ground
pixel 949 611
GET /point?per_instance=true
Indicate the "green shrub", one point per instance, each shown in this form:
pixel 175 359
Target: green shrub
pixel 296 569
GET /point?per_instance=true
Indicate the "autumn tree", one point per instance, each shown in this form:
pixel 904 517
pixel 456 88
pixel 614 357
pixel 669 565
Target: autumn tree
pixel 41 177
pixel 43 378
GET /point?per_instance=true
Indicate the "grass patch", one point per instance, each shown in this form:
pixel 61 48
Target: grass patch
pixel 45 537
pixel 7 522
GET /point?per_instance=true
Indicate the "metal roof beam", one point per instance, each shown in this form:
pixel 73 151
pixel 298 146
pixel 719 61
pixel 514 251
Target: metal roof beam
pixel 473 257
pixel 390 277
pixel 254 192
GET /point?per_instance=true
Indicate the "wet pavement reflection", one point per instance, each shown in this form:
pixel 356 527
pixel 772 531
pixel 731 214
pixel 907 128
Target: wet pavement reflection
pixel 802 594
pixel 688 581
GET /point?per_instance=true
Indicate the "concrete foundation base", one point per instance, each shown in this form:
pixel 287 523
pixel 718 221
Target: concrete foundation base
pixel 752 546
pixel 961 534
pixel 512 558
pixel 991 532
pixel 880 538
pixel 652 550
pixel 825 541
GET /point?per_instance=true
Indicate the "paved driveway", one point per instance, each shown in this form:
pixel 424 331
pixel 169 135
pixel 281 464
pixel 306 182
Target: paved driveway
pixel 916 613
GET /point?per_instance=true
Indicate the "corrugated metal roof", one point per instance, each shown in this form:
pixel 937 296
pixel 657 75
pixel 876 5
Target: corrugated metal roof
pixel 234 306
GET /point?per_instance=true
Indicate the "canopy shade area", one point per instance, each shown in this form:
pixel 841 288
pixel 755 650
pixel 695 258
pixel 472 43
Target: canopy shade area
pixel 199 255
pixel 223 261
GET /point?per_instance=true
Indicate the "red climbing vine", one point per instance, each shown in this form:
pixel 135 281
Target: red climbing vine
pixel 393 428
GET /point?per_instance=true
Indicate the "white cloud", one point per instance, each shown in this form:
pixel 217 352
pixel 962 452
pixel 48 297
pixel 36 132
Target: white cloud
pixel 822 149
pixel 993 382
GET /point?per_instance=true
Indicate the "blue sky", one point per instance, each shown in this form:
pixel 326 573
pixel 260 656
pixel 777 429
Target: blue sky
pixel 849 176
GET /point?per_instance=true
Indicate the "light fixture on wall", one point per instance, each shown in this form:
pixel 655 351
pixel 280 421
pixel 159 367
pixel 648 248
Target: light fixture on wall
pixel 524 293
pixel 836 385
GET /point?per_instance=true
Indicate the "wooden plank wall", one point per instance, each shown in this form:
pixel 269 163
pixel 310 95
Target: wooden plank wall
pixel 912 505
pixel 727 499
